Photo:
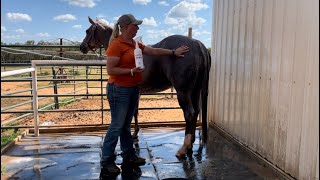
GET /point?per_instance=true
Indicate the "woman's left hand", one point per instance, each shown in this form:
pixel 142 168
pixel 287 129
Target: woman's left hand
pixel 179 52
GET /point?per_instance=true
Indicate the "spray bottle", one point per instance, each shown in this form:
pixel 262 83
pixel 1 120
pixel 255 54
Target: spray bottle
pixel 138 55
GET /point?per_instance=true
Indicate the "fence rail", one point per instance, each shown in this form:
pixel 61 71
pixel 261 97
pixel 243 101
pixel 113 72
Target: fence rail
pixel 35 97
pixel 22 58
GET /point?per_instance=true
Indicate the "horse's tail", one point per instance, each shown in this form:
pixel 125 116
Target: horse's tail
pixel 204 91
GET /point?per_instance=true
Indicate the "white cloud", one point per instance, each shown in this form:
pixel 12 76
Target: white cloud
pixel 3 29
pixel 141 2
pixel 82 3
pixel 11 37
pixel 158 34
pixel 183 15
pixel 196 21
pixel 78 26
pixel 185 9
pixel 18 17
pixel 99 16
pixel 19 30
pixel 116 18
pixel 193 1
pixel 163 3
pixel 43 35
pixel 149 22
pixel 65 18
pixel 196 33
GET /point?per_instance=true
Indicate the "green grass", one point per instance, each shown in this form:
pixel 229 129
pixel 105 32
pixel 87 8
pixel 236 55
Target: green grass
pixel 5 102
pixel 13 124
pixel 3 169
pixel 8 136
pixel 45 73
pixel 66 101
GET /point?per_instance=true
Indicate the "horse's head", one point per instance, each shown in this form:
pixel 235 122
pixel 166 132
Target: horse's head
pixel 96 35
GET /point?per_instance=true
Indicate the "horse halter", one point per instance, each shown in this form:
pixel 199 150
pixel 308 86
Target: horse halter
pixel 91 36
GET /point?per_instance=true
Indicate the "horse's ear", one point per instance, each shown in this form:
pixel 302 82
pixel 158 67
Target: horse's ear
pixel 91 21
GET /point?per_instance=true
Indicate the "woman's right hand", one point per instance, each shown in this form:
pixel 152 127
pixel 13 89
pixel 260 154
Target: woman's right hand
pixel 137 69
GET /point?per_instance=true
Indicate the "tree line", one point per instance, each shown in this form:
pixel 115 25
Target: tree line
pixel 71 52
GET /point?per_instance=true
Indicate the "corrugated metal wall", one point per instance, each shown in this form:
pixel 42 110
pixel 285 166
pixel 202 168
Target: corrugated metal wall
pixel 264 86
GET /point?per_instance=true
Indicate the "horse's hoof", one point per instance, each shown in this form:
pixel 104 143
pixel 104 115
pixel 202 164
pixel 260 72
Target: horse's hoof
pixel 180 155
pixel 189 153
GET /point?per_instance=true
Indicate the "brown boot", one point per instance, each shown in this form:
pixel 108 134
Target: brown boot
pixel 135 160
pixel 110 170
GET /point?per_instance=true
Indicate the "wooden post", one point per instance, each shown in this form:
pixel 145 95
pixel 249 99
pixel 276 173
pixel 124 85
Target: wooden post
pixel 190 32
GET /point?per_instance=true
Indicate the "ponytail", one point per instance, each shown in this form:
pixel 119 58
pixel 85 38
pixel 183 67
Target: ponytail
pixel 115 32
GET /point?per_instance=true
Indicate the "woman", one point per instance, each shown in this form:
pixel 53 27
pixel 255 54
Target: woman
pixel 123 92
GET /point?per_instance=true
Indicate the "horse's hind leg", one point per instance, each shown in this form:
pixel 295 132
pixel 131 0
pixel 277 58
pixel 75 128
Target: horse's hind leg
pixel 136 125
pixel 189 113
pixel 196 106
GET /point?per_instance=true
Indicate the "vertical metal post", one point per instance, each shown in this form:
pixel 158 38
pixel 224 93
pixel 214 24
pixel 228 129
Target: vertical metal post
pixel 60 54
pixel 101 84
pixel 31 89
pixel 87 69
pixel 101 90
pixel 61 69
pixel 100 53
pixel 74 82
pixel 35 100
pixel 55 89
pixel 4 61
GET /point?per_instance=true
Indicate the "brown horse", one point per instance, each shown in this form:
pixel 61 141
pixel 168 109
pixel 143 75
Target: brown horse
pixel 188 75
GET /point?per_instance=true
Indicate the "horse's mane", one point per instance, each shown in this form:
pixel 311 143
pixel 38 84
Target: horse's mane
pixel 103 24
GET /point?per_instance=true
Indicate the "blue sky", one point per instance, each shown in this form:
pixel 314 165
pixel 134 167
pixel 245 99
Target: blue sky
pixel 48 20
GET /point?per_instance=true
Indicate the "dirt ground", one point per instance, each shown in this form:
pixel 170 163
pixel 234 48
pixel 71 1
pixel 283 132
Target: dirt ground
pixel 92 117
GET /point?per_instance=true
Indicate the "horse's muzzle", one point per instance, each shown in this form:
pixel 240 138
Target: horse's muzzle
pixel 84 48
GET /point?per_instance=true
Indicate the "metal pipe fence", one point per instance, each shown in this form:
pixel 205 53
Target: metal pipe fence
pixel 35 97
pixel 89 73
pixel 46 79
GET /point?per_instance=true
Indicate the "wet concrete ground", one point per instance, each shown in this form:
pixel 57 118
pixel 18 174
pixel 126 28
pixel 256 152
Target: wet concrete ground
pixel 77 155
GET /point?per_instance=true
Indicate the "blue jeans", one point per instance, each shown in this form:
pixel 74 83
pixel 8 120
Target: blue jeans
pixel 123 102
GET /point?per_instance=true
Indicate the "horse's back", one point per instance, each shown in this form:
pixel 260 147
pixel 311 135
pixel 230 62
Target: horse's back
pixel 181 72
pixel 185 73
